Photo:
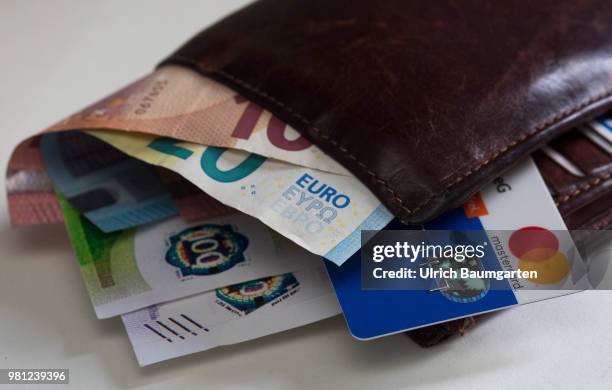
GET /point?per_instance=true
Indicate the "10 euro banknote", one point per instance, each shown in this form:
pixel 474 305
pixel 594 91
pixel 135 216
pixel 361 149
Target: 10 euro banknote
pixel 182 104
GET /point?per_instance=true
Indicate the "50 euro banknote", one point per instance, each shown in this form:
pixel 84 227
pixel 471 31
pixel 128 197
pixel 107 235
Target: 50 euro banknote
pixel 320 211
pixel 179 103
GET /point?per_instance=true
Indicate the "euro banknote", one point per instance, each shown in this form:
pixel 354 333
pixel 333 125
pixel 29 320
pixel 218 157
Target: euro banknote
pixel 320 211
pixel 179 103
pixel 32 200
pixel 231 314
pixel 111 189
pixel 193 203
pixel 135 268
pixel 30 193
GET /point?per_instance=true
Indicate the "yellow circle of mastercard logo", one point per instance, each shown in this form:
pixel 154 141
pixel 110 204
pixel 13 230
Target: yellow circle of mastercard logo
pixel 538 250
pixel 550 271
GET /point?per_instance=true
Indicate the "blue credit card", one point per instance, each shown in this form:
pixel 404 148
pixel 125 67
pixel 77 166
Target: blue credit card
pixel 374 313
pixel 512 204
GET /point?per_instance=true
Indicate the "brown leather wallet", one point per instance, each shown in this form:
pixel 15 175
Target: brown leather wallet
pixel 427 102
pixel 424 101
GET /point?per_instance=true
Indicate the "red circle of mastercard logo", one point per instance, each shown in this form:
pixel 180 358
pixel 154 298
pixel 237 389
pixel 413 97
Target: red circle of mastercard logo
pixel 532 237
pixel 538 250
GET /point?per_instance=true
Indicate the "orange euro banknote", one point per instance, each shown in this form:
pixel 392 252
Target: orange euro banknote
pixel 172 102
pixel 30 194
pixel 179 103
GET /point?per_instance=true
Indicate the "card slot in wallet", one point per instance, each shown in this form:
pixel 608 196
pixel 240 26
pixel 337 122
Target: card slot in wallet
pixel 578 173
pixel 425 102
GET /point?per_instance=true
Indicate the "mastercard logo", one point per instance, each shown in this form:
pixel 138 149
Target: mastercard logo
pixel 538 250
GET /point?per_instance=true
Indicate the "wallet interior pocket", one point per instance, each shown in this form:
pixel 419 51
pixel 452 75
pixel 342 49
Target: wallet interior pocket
pixel 425 102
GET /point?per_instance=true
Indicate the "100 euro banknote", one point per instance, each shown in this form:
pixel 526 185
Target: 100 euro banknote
pixel 128 270
pixel 179 103
pixel 320 211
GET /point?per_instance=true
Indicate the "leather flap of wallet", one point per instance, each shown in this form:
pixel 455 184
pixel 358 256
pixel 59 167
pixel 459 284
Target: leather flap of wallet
pixel 424 101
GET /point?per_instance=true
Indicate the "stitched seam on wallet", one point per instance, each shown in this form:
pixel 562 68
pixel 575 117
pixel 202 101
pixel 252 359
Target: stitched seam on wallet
pixel 603 224
pixel 586 187
pixel 547 123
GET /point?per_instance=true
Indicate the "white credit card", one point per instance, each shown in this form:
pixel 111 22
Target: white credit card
pixel 603 126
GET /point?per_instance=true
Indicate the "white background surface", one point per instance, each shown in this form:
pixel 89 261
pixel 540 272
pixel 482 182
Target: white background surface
pixel 56 57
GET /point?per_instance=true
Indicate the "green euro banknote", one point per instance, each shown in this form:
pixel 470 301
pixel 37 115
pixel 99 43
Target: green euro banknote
pixel 320 211
pixel 171 259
